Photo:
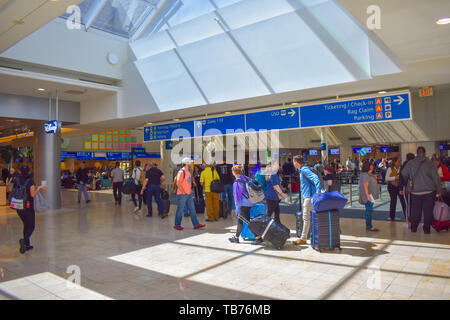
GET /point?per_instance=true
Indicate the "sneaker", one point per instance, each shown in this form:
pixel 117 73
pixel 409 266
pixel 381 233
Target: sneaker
pixel 372 229
pixel 136 209
pixel 300 242
pixel 257 241
pixel 30 248
pixel 200 226
pixel 23 247
pixel 88 201
pixel 180 228
pixel 149 216
pixel 233 239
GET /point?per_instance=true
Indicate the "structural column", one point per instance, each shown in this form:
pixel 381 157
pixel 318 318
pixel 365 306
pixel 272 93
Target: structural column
pixel 324 144
pixel 47 164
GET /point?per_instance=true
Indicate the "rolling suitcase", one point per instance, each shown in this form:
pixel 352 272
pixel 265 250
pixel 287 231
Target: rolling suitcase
pixel 166 207
pixel 441 216
pixel 223 209
pixel 257 210
pixel 269 230
pixel 199 203
pixel 325 230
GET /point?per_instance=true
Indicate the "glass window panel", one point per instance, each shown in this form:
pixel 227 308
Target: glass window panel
pixel 122 17
pixel 156 43
pixel 168 82
pixel 197 29
pixel 221 70
pixel 85 7
pixel 225 3
pixel 190 9
pixel 290 55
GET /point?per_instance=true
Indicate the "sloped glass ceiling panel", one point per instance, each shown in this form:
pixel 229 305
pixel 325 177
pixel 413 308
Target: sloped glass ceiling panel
pixel 123 17
pixel 235 49
pixel 85 7
pixel 119 17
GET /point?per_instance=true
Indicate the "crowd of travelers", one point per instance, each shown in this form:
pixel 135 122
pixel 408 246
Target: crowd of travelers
pixel 418 183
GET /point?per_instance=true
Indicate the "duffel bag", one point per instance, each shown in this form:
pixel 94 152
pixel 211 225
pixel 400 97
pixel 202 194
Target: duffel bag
pixel 328 201
pixel 129 187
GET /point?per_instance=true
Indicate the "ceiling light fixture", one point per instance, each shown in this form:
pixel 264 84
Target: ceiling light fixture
pixel 41 89
pixel 443 21
pixel 176 119
pixel 382 92
pixel 228 112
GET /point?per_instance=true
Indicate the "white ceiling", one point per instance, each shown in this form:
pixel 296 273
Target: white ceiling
pixel 33 13
pixel 27 84
pixel 408 27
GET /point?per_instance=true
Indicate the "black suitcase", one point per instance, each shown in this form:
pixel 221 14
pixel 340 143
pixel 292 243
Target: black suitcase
pixel 223 209
pixel 199 205
pixel 325 229
pixel 166 206
pixel 269 230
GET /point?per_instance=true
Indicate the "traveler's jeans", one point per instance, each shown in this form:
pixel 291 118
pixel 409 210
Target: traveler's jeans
pixel 307 208
pixel 82 188
pixel 117 191
pixel 188 201
pixel 421 203
pixel 154 190
pixel 28 217
pixel 228 195
pixel 369 209
pixel 138 194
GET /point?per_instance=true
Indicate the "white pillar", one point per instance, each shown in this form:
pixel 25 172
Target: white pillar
pixel 324 144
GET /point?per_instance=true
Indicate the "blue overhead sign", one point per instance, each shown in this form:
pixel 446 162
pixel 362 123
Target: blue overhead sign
pixel 274 119
pixel 167 131
pixel 366 110
pixel 218 126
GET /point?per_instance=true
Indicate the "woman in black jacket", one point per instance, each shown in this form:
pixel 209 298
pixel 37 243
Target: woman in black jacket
pixel 27 215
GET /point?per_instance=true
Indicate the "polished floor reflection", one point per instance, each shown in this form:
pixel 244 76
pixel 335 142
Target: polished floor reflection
pixel 124 256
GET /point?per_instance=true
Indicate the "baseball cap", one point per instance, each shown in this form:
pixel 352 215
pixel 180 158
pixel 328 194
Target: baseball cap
pixel 186 161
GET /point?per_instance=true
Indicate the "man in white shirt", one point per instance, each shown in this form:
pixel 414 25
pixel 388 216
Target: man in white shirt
pixel 138 176
pixel 117 182
pixel 349 164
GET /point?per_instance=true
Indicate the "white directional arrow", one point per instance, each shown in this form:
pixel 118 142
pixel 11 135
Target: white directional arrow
pixel 399 100
pixel 292 113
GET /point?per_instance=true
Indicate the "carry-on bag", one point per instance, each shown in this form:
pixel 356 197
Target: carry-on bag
pixel 325 230
pixel 129 187
pixel 269 230
pixel 258 210
pixel 199 204
pixel 166 206
pixel 223 209
pixel 328 201
pixel 441 216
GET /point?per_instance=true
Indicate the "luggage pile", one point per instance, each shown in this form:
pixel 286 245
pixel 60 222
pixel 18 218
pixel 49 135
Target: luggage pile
pixel 325 224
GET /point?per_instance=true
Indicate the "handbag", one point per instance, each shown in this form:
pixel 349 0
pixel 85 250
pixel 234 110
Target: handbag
pixel 40 204
pixel 216 185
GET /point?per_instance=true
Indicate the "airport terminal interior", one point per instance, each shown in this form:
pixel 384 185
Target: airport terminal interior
pixel 351 94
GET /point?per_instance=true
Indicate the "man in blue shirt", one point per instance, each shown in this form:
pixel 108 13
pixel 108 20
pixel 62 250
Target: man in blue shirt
pixel 309 185
pixel 273 190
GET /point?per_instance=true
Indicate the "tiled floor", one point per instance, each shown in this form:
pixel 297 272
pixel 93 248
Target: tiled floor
pixel 123 256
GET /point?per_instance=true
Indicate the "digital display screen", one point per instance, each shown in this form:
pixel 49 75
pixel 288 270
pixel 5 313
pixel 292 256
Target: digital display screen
pixel 357 150
pixel 313 152
pixel 333 151
pixel 385 149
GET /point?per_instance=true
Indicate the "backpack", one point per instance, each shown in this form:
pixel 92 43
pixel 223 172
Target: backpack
pixel 175 182
pixel 19 196
pixel 254 189
pixel 318 174
pixel 261 178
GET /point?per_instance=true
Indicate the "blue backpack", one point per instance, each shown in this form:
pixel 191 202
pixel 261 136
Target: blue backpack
pixel 261 178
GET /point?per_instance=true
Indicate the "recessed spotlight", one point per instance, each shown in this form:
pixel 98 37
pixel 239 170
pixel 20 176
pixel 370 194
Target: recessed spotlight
pixel 382 92
pixel 18 21
pixel 443 21
pixel 41 89
pixel 228 112
pixel 150 123
pixel 176 119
